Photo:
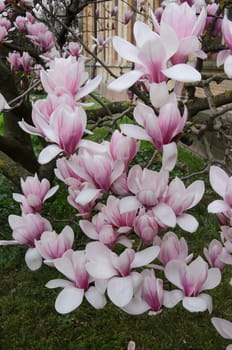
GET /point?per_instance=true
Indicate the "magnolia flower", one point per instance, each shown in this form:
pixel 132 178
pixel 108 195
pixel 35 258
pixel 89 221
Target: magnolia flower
pixel 225 56
pixel 222 184
pixel 52 246
pixel 35 193
pixel 151 55
pixel 73 266
pixel 68 76
pixel 159 130
pixel 192 279
pixel 117 270
pixel 224 328
pixel 213 254
pixel 172 248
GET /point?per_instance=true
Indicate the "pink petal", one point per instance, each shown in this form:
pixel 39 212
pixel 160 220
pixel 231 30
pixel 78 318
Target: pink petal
pixel 135 131
pixel 169 158
pixel 136 306
pixel 213 279
pixel 125 49
pixel 174 270
pixel 169 38
pixel 86 196
pixel 142 33
pixel 128 204
pixel 69 299
pixel 51 192
pixel 159 94
pixel 90 86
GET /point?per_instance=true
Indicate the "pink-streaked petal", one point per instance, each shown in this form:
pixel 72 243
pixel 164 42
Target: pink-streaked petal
pixel 223 327
pixel 49 153
pixel 89 229
pixel 200 23
pixel 174 270
pixel 90 86
pixel 145 257
pixel 125 81
pixel 29 128
pixel 135 131
pixel 198 188
pixel 69 299
pixel 195 304
pixel 169 157
pixel 33 259
pixel 165 214
pixel 218 206
pixel 182 72
pixel 95 298
pixel 187 222
pixel 120 290
pixel 218 180
pixel 58 283
pixel 213 278
pixel 172 298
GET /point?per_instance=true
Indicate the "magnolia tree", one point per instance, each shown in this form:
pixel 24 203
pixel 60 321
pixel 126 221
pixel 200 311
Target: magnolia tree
pixel 127 212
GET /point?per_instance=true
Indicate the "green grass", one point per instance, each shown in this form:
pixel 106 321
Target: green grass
pixel 28 320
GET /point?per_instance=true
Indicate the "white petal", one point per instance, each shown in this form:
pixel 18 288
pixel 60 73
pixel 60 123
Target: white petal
pixel 125 49
pixel 218 180
pixel 169 157
pixel 135 131
pixel 137 306
pixel 95 298
pixel 218 206
pixel 145 256
pixel 33 259
pixel 51 192
pixel 213 279
pixel 159 94
pixel 223 327
pixel 182 72
pixel 187 222
pixel 194 304
pixel 48 153
pixel 228 66
pixel 69 299
pixel 125 81
pixel 120 290
pixel 58 283
pixel 90 86
pixel 165 214
pixel 86 196
pixel 172 298
pixel 128 204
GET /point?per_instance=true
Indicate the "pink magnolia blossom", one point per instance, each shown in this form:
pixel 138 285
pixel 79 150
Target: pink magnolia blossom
pixel 222 184
pixel 2 5
pixel 161 129
pixel 131 345
pixel 3 33
pixel 224 328
pixel 4 22
pixel 213 254
pixel 14 59
pixel 43 109
pixel 172 248
pixel 225 56
pixel 181 199
pixel 152 291
pixel 26 62
pixel 192 279
pixel 100 42
pixel 127 16
pixel 211 11
pixel 35 193
pixel 151 55
pixel 186 26
pixel 73 266
pixel 52 245
pixel 20 23
pixel 146 226
pixel 117 270
pixel 114 11
pixel 68 76
pixel 65 129
pixel 26 229
pixel 123 147
pixel 75 49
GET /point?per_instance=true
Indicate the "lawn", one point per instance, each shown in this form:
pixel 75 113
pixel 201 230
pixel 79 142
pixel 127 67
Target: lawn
pixel 28 320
